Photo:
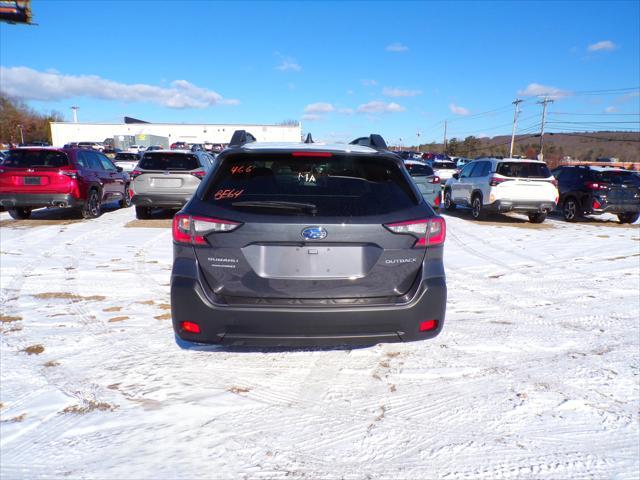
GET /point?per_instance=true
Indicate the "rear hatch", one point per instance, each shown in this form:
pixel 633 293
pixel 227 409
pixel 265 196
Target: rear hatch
pixel 167 173
pixel 525 181
pixel 619 188
pixel 444 169
pixel 37 171
pixel 310 227
pixel 127 161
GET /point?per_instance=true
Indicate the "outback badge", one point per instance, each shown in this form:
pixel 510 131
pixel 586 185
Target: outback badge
pixel 314 233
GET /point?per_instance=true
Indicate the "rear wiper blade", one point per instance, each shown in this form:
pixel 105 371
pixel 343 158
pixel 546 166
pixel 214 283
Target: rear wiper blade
pixel 313 208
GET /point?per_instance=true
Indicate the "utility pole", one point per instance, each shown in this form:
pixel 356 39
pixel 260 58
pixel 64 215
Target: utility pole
pixel 516 102
pixel 418 135
pixel 21 134
pixel 74 109
pixel 444 143
pixel 544 117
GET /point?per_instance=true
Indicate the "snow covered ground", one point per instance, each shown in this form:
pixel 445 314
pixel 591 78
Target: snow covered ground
pixel 535 375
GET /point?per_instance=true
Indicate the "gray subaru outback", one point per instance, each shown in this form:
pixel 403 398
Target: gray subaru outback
pixel 307 244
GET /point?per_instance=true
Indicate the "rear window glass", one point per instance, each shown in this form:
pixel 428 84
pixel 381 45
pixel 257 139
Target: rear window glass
pixel 419 170
pixel 618 178
pixel 35 158
pixel 126 156
pixel 169 161
pixel 340 185
pixel 444 165
pixel 523 170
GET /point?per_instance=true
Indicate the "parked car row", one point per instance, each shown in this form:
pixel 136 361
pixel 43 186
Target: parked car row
pixel 527 186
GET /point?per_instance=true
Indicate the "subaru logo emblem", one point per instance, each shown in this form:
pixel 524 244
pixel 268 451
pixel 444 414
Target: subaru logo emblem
pixel 314 233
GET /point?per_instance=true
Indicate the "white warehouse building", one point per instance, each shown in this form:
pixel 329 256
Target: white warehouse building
pixel 67 132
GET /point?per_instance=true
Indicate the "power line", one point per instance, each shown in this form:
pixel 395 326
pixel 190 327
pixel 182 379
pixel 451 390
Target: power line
pixel 597 138
pixel 613 114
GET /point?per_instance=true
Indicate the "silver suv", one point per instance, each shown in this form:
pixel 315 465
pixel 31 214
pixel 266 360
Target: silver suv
pixel 167 179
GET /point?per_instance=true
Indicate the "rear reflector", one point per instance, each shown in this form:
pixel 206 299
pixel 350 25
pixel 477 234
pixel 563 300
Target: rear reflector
pixel 192 230
pixel 190 327
pixel 428 325
pixel 430 232
pixel 437 201
pixel 311 154
pixel 596 204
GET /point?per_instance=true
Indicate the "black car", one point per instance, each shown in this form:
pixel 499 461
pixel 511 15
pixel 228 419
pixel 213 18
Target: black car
pixel 307 244
pixel 586 190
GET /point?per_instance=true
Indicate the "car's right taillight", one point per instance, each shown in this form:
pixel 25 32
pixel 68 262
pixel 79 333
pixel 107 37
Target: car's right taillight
pixel 435 179
pixel 134 173
pixel 495 181
pixel 192 230
pixel 429 232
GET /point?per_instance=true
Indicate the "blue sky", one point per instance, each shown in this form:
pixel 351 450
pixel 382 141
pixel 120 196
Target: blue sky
pixel 344 69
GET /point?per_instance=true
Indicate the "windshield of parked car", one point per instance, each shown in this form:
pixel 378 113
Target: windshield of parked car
pixel 523 170
pixel 618 178
pixel 126 157
pixel 444 165
pixel 418 170
pixel 169 161
pixel 35 158
pixel 337 185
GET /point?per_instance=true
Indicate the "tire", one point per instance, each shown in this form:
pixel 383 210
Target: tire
pixel 126 201
pixel 477 209
pixel 571 210
pixel 92 207
pixel 448 202
pixel 143 213
pixel 627 217
pixel 20 213
pixel 537 217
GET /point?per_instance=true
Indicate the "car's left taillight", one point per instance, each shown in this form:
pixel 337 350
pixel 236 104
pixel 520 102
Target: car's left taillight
pixel 192 230
pixel 199 174
pixel 429 232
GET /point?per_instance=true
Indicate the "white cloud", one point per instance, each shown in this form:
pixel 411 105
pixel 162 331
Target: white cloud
pixel 611 109
pixel 538 90
pixel 312 117
pixel 399 92
pixel 320 107
pixel 458 110
pixel 396 47
pixel 349 92
pixel 287 63
pixel 603 46
pixel 368 82
pixel 380 107
pixel 29 84
pixel 627 97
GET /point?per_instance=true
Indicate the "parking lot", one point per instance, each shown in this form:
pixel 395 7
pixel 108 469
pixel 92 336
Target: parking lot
pixel 535 374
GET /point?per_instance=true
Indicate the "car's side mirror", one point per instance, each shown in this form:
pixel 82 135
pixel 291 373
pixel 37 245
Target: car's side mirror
pixel 456 176
pixel 119 169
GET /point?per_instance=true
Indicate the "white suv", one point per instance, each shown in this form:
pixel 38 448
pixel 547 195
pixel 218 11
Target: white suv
pixel 503 185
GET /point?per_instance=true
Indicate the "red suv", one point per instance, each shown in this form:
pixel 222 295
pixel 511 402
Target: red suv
pixel 60 177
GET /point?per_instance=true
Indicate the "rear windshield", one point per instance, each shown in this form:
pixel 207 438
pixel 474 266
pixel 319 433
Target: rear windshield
pixel 523 170
pixel 35 158
pixel 444 165
pixel 618 178
pixel 340 185
pixel 169 161
pixel 126 156
pixel 419 170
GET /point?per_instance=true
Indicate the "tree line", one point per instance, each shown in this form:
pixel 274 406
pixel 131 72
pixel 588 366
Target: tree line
pixel 35 126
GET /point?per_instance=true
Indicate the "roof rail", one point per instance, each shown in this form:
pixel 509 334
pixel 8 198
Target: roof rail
pixel 240 137
pixel 374 141
pixel 309 139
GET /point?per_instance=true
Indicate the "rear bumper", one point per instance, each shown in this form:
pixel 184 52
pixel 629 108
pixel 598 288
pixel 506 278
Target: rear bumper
pixel 38 200
pixel 504 205
pixel 246 325
pixel 617 208
pixel 160 200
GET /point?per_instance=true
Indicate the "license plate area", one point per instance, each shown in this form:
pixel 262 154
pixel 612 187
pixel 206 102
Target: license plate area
pixel 32 180
pixel 166 182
